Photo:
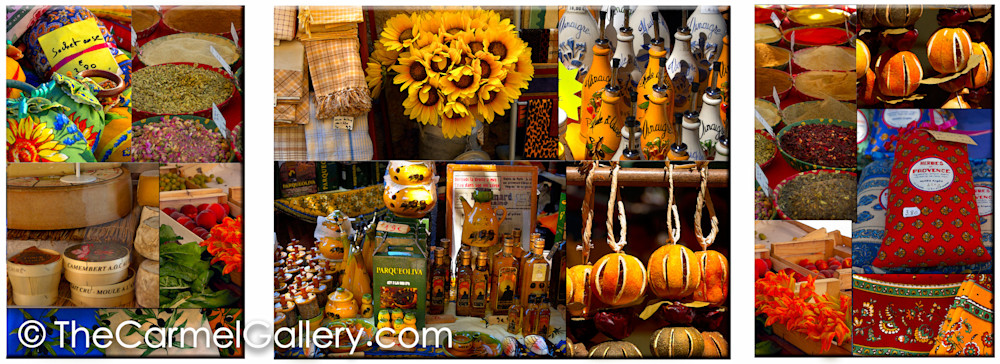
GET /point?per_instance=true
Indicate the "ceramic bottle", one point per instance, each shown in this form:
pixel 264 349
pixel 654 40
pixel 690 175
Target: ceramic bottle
pixel 598 76
pixel 651 75
pixel 577 33
pixel 682 69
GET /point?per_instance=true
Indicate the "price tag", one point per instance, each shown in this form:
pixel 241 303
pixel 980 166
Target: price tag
pixel 911 212
pixel 392 227
pixel 760 119
pixel 774 93
pixel 220 121
pixel 157 7
pixel 343 122
pixel 762 180
pixel 951 137
pixel 776 21
pixel 792 49
pixel 222 62
pixel 232 31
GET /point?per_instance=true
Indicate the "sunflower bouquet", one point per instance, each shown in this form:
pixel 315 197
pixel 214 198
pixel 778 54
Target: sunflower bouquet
pixel 454 66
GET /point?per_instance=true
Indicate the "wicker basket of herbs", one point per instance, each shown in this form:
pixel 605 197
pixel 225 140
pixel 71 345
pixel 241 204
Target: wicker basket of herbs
pixel 820 144
pixel 817 195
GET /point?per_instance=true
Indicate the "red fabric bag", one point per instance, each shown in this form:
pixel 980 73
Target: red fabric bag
pixel 932 217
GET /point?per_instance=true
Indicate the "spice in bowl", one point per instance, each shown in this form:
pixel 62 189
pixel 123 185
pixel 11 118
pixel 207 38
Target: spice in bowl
pixel 818 196
pixel 763 206
pixel 178 140
pixel 764 148
pixel 822 144
pixel 766 55
pixel 178 89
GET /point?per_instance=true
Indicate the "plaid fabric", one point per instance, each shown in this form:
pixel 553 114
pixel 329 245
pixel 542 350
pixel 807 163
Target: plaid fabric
pixel 338 78
pixel 288 83
pixel 329 22
pixel 289 143
pixel 326 143
pixel 284 22
pixel 284 112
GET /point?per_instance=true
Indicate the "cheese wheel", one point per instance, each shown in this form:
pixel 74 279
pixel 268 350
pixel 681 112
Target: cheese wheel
pixel 112 295
pixel 54 169
pixel 147 236
pixel 147 284
pixel 48 204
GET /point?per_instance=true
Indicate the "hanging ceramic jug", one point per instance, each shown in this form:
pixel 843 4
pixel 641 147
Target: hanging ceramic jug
pixel 577 33
pixel 651 76
pixel 605 135
pixel 599 75
pixel 481 225
pixel 682 69
pixel 708 28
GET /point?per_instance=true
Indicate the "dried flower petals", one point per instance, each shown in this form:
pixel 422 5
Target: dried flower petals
pixel 178 140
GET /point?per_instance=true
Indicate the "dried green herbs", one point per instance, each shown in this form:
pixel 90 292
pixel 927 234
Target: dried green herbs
pixel 819 196
pixel 178 89
pixel 763 148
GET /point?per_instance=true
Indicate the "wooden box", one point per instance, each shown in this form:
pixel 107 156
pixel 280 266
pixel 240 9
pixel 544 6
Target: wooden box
pixel 788 254
pixel 810 346
pixel 176 199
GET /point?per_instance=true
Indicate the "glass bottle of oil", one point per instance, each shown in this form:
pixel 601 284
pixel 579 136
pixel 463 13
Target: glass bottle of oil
pixel 515 314
pixel 534 272
pixel 480 286
pixel 530 316
pixel 463 285
pixel 504 285
pixel 544 314
pixel 439 284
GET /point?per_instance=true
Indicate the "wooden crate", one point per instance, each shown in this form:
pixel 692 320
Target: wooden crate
pixel 810 346
pixel 761 252
pixel 176 199
pixel 788 254
pixel 236 201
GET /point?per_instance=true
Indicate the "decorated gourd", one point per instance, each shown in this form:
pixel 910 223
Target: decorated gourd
pixel 578 290
pixel 410 173
pixel 715 345
pixel 618 279
pixel 677 342
pixel 900 75
pixel 714 285
pixel 863 59
pixel 949 50
pixel 897 16
pixel 673 272
pixel 14 70
pixel 412 202
pixel 615 349
pixel 866 16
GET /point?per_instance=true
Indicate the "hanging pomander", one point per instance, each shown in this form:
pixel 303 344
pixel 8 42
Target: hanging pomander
pixel 617 279
pixel 674 273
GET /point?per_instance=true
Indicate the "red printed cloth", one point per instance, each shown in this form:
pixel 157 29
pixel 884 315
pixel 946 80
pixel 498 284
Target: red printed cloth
pixel 967 329
pixel 900 314
pixel 932 218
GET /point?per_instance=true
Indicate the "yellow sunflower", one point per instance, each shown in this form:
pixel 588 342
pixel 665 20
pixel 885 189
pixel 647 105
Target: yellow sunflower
pixel 30 140
pixel 456 120
pixel 398 33
pixel 384 56
pixel 494 21
pixel 505 45
pixel 473 40
pixel 412 69
pixel 462 81
pixel 521 72
pixel 493 100
pixel 488 67
pixel 453 23
pixel 423 102
pixel 442 58
pixel 428 26
pixel 374 74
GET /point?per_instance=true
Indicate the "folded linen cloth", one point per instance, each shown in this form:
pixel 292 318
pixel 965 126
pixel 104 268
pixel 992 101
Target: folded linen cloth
pixel 329 22
pixel 284 22
pixel 290 143
pixel 338 78
pixel 967 329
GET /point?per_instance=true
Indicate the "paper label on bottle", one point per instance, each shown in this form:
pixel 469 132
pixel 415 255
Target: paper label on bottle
pixel 911 211
pixel 343 122
pixel 762 179
pixel 984 199
pixel 952 137
pixel 220 121
pixel 774 94
pixel 776 21
pixel 862 127
pixel 479 294
pixel 931 174
pixel 506 286
pixel 463 294
pixel 900 118
pixel 760 119
pixel 438 291
pixel 539 272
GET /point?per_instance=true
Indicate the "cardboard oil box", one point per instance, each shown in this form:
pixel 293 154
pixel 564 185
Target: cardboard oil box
pixel 400 266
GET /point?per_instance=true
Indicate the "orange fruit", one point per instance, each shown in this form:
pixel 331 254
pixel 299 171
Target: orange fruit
pixel 673 272
pixel 949 50
pixel 715 284
pixel 578 290
pixel 900 75
pixel 618 279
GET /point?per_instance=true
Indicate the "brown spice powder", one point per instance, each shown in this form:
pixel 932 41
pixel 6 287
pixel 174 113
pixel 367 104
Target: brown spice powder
pixel 766 79
pixel 766 55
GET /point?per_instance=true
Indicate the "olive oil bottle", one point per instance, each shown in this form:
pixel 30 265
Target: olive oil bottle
pixel 534 272
pixel 463 286
pixel 544 315
pixel 515 315
pixel 439 284
pixel 480 286
pixel 530 316
pixel 505 275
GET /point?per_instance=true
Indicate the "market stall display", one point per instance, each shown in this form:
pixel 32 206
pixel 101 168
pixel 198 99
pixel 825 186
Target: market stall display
pixel 925 56
pixel 803 286
pixel 644 300
pixel 89 254
pixel 188 83
pixel 640 97
pixel 402 264
pixel 807 109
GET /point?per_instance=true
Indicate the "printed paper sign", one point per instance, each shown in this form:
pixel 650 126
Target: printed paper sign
pixel 78 47
pixel 931 174
pixel 343 122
